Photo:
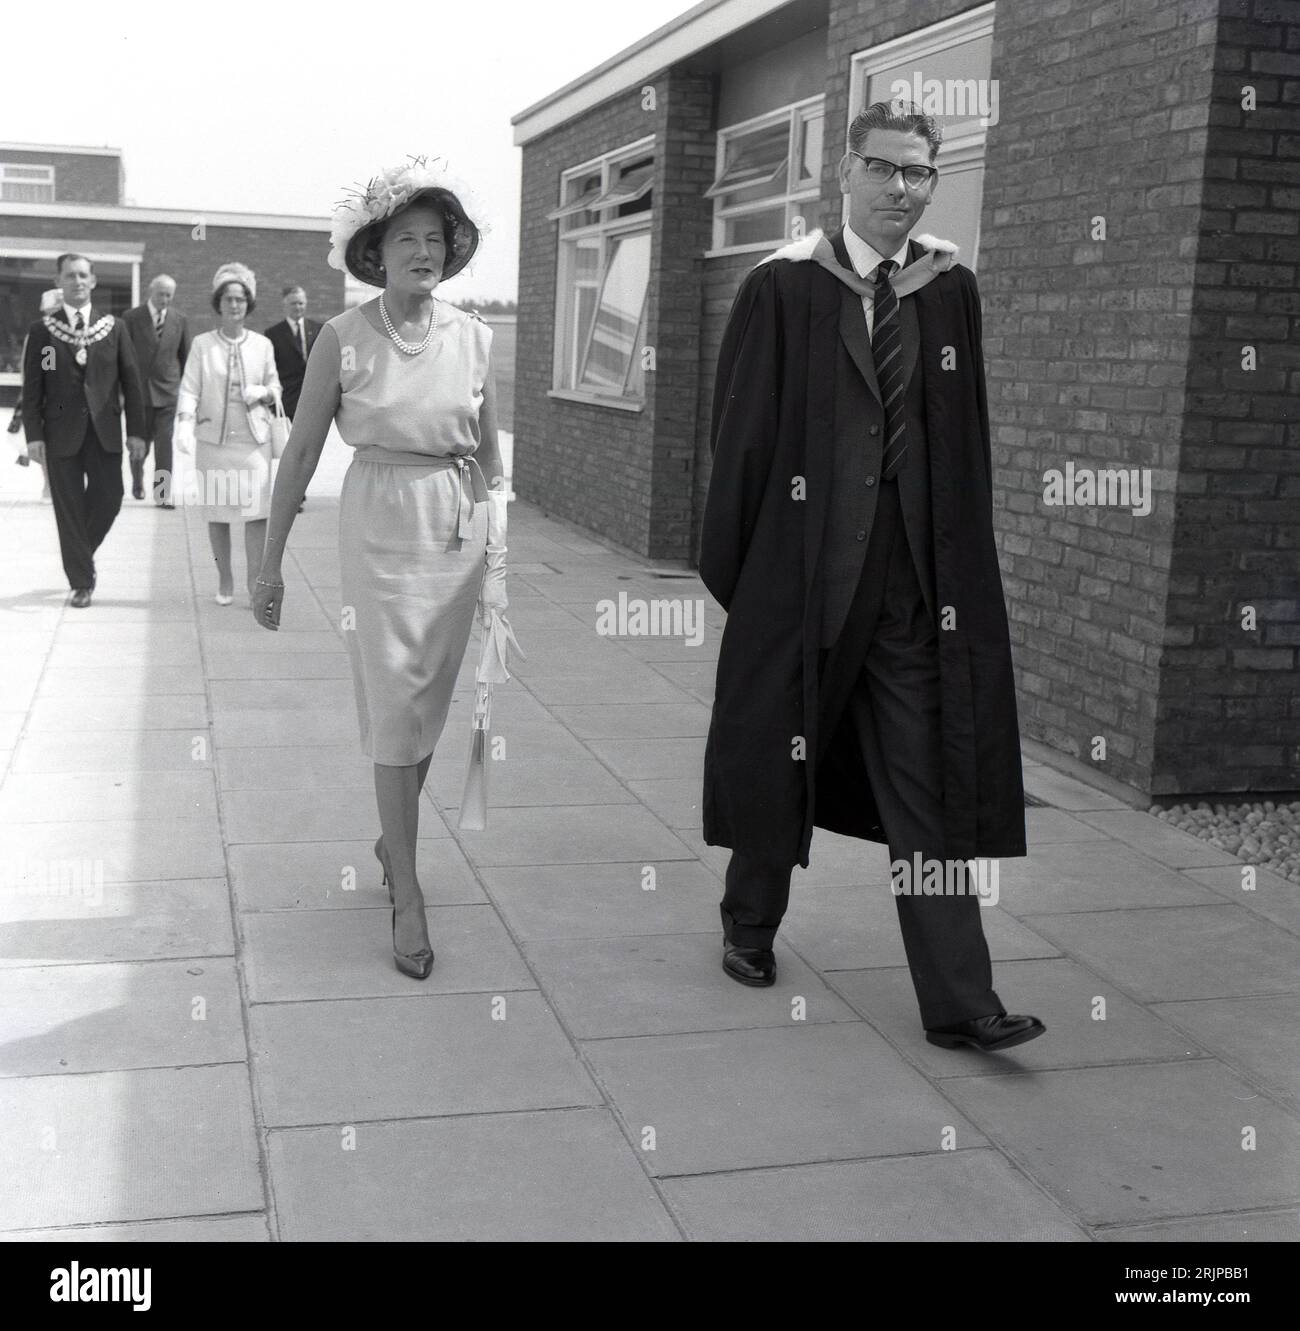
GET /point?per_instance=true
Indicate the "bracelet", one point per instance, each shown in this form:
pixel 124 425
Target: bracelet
pixel 263 583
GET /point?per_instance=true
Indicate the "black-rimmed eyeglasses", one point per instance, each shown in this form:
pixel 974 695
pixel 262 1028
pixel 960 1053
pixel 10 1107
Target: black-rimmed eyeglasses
pixel 881 172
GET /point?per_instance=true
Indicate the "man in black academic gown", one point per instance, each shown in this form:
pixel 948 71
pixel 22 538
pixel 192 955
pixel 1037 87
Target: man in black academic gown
pixel 864 681
pixel 79 373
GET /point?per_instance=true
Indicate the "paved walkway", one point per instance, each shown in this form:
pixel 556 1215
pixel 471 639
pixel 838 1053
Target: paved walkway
pixel 202 1033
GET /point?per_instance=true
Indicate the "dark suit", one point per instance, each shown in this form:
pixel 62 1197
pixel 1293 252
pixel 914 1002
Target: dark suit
pixel 290 363
pixel 878 689
pixel 161 362
pixel 76 411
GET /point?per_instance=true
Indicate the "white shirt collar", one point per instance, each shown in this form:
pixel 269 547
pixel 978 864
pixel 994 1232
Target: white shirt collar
pixel 865 258
pixel 71 315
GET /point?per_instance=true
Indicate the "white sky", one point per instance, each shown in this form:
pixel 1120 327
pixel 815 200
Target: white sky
pixel 273 106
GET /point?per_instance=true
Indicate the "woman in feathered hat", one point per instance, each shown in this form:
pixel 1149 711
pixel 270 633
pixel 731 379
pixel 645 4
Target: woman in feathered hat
pixel 407 379
pixel 224 404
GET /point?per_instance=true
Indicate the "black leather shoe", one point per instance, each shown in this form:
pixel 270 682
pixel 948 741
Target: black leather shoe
pixel 80 598
pixel 137 491
pixel 750 965
pixel 999 1031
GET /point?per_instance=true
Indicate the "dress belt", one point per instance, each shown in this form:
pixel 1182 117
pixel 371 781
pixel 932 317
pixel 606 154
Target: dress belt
pixel 466 464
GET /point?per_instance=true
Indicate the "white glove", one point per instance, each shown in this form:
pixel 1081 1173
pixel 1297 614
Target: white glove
pixel 183 436
pixel 255 393
pixel 492 594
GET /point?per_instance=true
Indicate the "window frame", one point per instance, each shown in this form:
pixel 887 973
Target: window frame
pixel 795 114
pixel 48 178
pixel 570 347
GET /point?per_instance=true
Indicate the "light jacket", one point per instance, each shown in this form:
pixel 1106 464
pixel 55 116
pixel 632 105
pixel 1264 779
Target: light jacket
pixel 204 391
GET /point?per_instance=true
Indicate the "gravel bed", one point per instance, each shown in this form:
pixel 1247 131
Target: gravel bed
pixel 1263 833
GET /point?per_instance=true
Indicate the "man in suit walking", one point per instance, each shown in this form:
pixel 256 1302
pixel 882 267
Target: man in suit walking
pixel 292 339
pixel 160 337
pixel 79 371
pixel 864 680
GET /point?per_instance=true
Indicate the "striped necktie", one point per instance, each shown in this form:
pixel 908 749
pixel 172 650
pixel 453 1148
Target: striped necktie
pixel 158 326
pixel 887 352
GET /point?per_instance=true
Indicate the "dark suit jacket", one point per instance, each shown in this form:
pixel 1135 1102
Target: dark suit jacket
pixel 161 361
pixel 289 362
pixel 60 396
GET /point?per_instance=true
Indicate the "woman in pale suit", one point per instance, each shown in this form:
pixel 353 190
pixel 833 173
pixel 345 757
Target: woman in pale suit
pixel 407 379
pixel 228 389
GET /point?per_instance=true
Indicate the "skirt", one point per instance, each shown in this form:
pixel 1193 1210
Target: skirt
pixel 232 481
pixel 409 587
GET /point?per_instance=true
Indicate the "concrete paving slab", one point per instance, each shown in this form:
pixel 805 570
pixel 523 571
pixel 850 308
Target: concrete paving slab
pixel 671 983
pixel 346 1062
pixel 1051 826
pixel 118 852
pixel 301 767
pixel 774 1096
pixel 127 660
pixel 214 1229
pixel 76 714
pixel 1274 897
pixel 148 682
pixel 696 678
pixel 559 1176
pixel 589 834
pixel 107 1017
pixel 11 726
pixel 127 1146
pixel 312 954
pixel 345 875
pixel 1241 1227
pixel 970 1196
pixel 651 759
pixel 1259 1037
pixel 231 642
pixel 248 728
pixel 856 928
pixel 634 720
pixel 298 815
pixel 1169 845
pixel 282 695
pixel 520 782
pixel 1108 876
pixel 1138 1143
pixel 97 797
pixel 676 800
pixel 606 900
pixel 619 683
pixel 1195 952
pixel 1065 792
pixel 146 751
pixel 1060 992
pixel 116 922
pixel 278 665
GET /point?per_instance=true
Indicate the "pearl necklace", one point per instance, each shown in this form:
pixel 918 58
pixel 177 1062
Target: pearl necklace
pixel 411 349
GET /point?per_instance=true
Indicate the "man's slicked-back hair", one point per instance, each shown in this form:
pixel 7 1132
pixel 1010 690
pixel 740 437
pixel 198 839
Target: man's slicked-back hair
pixel 289 290
pixel 906 117
pixel 69 258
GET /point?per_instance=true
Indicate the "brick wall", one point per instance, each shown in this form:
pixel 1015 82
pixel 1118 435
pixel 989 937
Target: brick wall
pixel 626 475
pixel 587 463
pixel 276 257
pixel 1229 711
pixel 78 178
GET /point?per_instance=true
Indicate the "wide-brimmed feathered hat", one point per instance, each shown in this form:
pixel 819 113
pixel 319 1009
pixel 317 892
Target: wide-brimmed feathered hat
pixel 420 179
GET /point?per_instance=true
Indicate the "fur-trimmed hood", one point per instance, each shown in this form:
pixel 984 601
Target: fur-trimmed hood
pixel 939 256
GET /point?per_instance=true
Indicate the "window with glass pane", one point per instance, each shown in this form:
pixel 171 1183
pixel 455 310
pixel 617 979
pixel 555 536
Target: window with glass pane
pixel 26 184
pixel 619 312
pixel 603 274
pixel 768 174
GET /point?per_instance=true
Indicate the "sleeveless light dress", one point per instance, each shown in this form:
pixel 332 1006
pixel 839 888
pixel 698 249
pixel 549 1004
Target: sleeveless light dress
pixel 412 537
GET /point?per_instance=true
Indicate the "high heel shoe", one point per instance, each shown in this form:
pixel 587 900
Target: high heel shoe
pixel 388 878
pixel 415 964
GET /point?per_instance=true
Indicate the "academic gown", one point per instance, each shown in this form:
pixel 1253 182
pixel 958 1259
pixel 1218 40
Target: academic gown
pixel 769 775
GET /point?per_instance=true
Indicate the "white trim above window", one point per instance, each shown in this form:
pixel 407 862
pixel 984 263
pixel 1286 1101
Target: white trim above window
pixel 767 175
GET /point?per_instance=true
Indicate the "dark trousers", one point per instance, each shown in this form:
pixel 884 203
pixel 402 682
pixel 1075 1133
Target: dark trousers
pixel 158 423
pixel 882 675
pixel 86 490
